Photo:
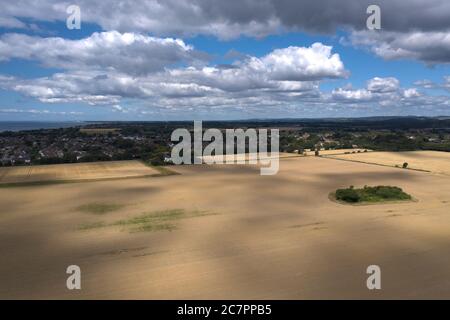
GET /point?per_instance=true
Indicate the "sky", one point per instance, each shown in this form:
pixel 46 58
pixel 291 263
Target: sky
pixel 222 60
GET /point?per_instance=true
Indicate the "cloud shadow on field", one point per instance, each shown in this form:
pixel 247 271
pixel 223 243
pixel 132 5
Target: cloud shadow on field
pixel 250 244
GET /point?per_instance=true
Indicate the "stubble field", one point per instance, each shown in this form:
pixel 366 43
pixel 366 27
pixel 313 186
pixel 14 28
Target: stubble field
pixel 432 161
pixel 337 151
pixel 75 172
pixel 226 232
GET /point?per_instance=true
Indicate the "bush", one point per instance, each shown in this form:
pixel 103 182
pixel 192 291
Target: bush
pixel 405 165
pixel 388 193
pixel 347 195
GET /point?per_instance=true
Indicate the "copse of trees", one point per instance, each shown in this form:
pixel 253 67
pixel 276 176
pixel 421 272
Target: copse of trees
pixel 371 194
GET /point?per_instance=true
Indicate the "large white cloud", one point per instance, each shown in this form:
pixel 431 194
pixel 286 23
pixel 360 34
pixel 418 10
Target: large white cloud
pixel 291 72
pixel 382 91
pixel 415 29
pixel 137 54
pixel 124 52
pixel 299 63
pixel 431 47
pixel 288 69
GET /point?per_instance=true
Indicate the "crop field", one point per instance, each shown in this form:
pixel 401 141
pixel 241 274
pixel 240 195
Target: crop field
pixel 433 161
pixel 337 151
pixel 226 232
pixel 245 157
pixel 75 172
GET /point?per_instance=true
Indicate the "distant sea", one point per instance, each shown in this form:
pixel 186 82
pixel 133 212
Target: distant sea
pixel 32 125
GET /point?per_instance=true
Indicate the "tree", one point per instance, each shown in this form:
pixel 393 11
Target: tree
pixel 347 195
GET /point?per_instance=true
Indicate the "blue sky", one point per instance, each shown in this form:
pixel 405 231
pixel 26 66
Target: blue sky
pixel 221 64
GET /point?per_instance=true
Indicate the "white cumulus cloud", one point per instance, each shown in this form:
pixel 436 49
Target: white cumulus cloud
pixel 124 52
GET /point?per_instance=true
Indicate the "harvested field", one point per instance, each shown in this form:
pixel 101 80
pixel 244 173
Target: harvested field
pixel 226 232
pixel 245 157
pixel 75 172
pixel 337 151
pixel 433 161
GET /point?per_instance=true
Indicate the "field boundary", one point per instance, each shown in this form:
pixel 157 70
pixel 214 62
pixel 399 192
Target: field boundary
pixel 340 153
pixel 376 164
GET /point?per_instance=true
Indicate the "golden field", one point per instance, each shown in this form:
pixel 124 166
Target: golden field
pixel 246 157
pixel 336 151
pixel 226 232
pixel 433 161
pixel 75 171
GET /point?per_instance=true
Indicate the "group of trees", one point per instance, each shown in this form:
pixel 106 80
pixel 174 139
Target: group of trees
pixel 371 194
pixel 394 140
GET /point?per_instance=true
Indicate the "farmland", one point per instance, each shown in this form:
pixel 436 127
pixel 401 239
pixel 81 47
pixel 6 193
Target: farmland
pixel 336 151
pixel 75 172
pixel 432 161
pixel 225 231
